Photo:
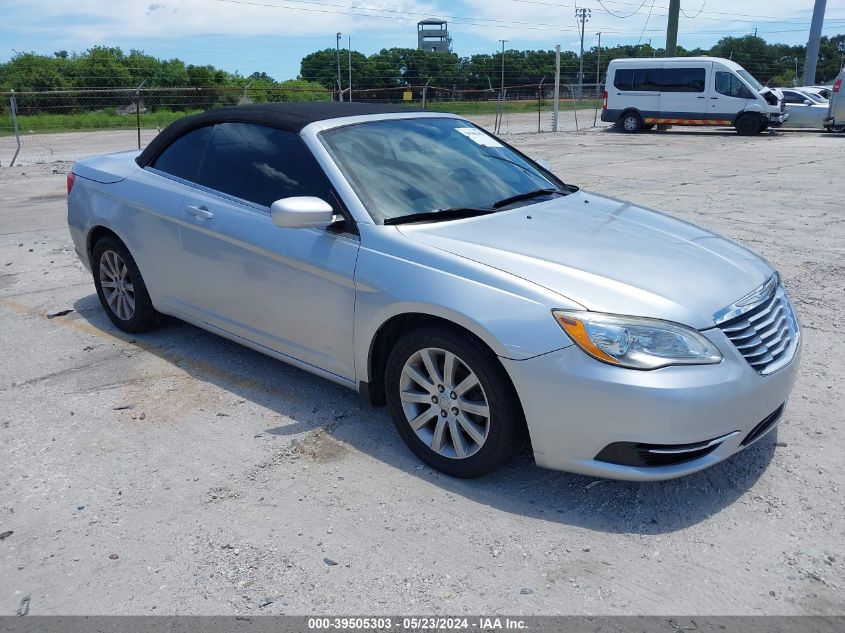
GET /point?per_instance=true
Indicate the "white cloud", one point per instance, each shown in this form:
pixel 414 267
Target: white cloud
pixel 97 21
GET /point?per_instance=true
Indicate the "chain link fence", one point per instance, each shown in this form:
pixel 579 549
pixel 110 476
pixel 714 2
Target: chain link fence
pixel 44 127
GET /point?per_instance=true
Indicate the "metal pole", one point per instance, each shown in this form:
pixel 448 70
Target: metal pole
pixel 502 93
pixel 813 44
pixel 138 110
pixel 672 28
pixel 349 60
pixel 425 90
pixel 339 84
pixel 539 100
pixel 598 81
pixel 556 106
pixel 14 104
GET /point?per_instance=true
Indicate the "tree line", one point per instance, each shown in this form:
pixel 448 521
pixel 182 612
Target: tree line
pixel 381 74
pixel 396 68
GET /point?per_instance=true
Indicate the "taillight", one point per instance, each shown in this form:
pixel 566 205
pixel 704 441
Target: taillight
pixel 837 85
pixel 71 178
pixel 604 106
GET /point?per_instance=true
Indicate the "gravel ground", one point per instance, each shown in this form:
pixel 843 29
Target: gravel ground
pixel 176 472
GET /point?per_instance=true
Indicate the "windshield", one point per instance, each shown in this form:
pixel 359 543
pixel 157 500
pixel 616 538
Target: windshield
pixel 750 79
pixel 411 166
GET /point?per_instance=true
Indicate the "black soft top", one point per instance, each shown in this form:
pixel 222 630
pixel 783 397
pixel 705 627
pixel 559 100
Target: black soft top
pixel 285 116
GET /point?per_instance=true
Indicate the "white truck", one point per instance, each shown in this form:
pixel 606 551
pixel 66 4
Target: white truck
pixel 641 93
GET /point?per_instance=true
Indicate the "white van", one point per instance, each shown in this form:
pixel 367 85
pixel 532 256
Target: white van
pixel 689 91
pixel 835 119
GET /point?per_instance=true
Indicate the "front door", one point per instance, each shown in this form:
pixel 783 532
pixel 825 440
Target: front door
pixel 290 290
pixel 728 97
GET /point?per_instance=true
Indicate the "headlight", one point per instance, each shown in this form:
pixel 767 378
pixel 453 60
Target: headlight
pixel 636 342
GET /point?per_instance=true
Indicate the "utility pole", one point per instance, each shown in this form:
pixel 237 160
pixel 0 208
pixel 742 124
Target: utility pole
pixel 349 61
pixel 583 15
pixel 671 39
pixel 503 65
pixel 557 88
pixel 813 44
pixel 598 66
pixel 339 85
pixel 502 93
pixel 672 28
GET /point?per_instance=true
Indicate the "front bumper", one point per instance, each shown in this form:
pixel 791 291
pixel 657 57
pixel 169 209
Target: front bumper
pixel 778 119
pixel 575 407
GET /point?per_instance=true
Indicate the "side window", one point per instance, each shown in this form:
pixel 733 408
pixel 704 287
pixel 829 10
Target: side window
pixel 647 79
pixel 793 97
pixel 261 164
pixel 683 80
pixel 183 156
pixel 730 85
pixel 623 79
pixel 637 79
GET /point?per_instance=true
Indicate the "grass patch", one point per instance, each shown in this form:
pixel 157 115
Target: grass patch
pixel 515 107
pixel 109 119
pixel 89 121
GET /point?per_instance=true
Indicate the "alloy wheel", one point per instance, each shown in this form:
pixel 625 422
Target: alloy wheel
pixel 117 285
pixel 444 403
pixel 630 123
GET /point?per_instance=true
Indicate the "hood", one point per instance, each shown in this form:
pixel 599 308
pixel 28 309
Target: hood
pixel 608 256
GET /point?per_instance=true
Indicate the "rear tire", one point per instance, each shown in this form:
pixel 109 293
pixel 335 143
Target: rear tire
pixel 452 402
pixel 630 122
pixel 120 287
pixel 748 125
pixel 835 128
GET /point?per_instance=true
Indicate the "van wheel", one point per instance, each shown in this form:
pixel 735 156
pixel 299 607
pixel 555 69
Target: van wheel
pixel 835 128
pixel 748 125
pixel 630 122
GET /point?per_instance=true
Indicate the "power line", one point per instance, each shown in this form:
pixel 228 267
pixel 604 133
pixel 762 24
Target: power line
pixel 648 17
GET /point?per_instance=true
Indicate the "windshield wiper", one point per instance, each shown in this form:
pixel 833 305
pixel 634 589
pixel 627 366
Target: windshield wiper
pixel 455 213
pixel 528 195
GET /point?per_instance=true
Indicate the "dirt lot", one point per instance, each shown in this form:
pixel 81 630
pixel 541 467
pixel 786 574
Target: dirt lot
pixel 176 472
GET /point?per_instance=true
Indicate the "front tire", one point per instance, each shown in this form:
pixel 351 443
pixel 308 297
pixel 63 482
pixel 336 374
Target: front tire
pixel 453 403
pixel 120 287
pixel 835 128
pixel 748 125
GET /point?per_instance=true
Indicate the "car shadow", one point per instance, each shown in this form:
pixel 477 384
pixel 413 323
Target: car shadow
pixel 520 487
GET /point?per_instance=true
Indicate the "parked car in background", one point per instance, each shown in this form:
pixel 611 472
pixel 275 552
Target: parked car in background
pixel 835 119
pixel 805 110
pixel 688 91
pixel 421 261
pixel 822 91
pixel 801 93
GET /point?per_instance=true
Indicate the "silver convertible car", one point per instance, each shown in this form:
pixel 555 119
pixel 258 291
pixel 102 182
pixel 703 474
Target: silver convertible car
pixel 416 258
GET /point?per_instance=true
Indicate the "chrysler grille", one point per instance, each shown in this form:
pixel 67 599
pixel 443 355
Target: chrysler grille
pixel 767 334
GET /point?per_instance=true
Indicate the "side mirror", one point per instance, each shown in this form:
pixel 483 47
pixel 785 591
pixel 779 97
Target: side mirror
pixel 542 162
pixel 301 212
pixel 808 102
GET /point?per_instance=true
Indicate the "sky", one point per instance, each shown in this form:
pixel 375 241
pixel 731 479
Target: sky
pixel 273 35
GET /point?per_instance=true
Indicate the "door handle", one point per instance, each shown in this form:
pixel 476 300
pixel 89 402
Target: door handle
pixel 714 97
pixel 702 97
pixel 200 212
